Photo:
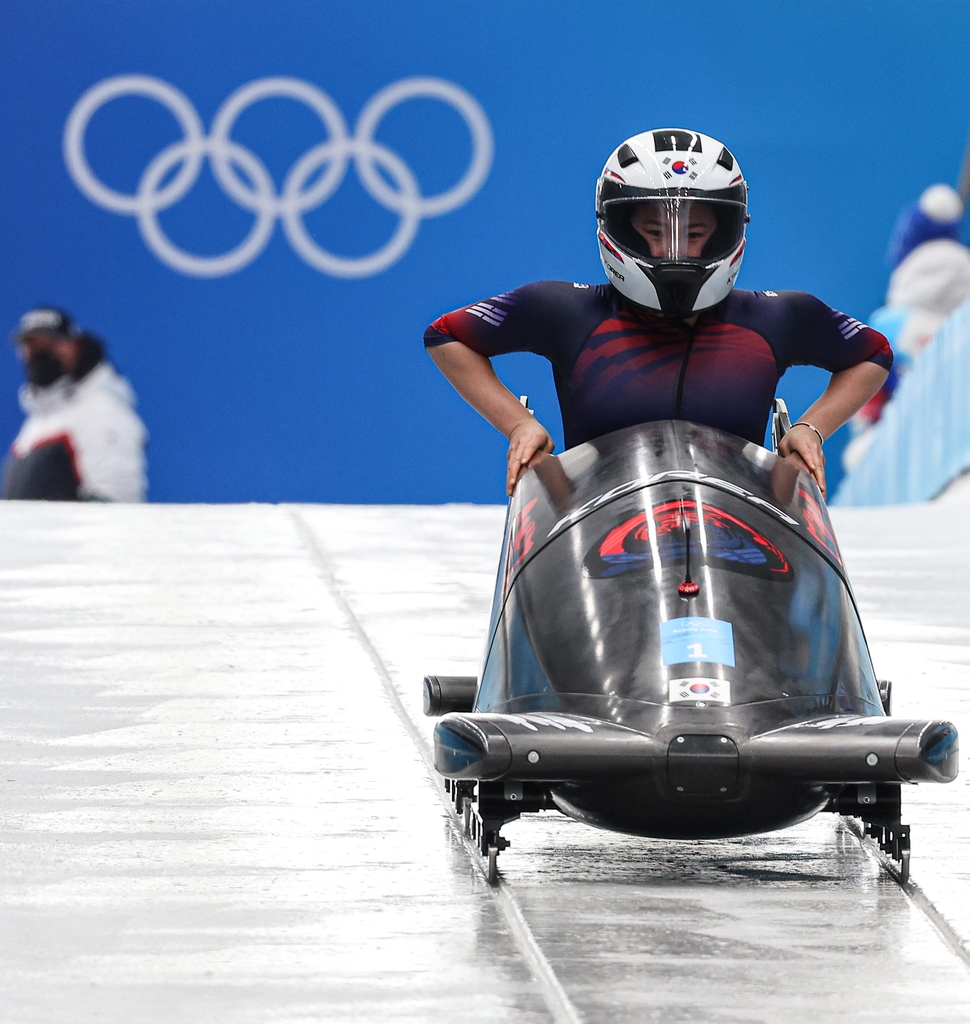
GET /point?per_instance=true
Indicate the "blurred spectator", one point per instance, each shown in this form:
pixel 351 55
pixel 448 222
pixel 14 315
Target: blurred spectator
pixel 930 279
pixel 82 439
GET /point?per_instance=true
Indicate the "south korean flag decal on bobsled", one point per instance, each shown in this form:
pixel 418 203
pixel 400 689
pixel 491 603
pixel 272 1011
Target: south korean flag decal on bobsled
pixel 699 691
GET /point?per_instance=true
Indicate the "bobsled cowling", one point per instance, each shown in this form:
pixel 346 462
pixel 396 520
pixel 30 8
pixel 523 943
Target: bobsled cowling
pixel 588 617
pixel 738 704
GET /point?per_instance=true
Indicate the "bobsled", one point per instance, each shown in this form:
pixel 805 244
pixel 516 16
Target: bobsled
pixel 674 651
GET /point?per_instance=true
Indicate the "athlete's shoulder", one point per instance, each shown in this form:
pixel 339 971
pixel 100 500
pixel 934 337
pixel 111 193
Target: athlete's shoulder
pixel 801 328
pixel 558 304
pixel 568 292
pixel 550 318
pixel 776 307
pixel 741 298
pixel 810 313
pixel 567 287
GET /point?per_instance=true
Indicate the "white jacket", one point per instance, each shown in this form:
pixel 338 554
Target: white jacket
pixel 932 281
pixel 96 417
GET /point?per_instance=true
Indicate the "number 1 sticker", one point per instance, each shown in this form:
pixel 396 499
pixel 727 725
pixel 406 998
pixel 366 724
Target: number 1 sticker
pixel 697 639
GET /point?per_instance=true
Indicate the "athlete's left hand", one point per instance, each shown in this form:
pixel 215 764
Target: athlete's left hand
pixel 802 447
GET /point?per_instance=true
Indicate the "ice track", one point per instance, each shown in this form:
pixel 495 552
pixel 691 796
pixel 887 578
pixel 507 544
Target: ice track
pixel 214 803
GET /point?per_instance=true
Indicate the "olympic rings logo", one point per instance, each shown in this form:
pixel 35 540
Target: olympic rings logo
pixel 305 188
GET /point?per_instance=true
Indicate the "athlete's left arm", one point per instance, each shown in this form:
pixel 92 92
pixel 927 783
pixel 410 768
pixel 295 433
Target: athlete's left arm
pixel 847 392
pixel 859 359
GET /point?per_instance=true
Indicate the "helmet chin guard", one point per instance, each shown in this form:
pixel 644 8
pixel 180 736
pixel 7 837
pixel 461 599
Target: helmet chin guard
pixel 671 210
pixel 678 286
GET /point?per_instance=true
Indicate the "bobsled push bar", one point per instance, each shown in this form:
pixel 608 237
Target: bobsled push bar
pixel 449 693
pixel 780 423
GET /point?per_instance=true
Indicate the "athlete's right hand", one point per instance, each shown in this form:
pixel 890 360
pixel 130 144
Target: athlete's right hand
pixel 529 437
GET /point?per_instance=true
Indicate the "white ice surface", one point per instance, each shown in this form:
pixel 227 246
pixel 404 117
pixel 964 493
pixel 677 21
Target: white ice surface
pixel 910 571
pixel 210 810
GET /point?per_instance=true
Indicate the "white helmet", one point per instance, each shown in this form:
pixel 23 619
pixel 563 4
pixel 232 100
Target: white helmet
pixel 671 208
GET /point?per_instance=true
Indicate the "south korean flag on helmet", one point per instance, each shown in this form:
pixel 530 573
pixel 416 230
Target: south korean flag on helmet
pixel 671 210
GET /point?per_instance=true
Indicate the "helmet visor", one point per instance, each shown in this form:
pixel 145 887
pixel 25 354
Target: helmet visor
pixel 676 228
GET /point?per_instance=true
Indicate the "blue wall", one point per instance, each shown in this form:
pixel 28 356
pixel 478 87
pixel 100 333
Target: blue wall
pixel 280 382
pixel 922 442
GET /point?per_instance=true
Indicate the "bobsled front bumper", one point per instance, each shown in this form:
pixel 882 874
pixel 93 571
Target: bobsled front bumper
pixel 563 747
pixel 870 749
pixel 540 746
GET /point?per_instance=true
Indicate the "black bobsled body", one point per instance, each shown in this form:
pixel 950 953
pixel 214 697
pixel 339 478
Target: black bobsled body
pixel 674 648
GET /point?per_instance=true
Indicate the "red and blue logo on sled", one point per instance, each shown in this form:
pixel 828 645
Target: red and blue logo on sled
pixel 717 539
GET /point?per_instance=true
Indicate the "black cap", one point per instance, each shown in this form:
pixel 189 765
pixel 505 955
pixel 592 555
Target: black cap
pixel 48 319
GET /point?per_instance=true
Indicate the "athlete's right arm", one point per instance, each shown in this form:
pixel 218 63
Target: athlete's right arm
pixel 472 376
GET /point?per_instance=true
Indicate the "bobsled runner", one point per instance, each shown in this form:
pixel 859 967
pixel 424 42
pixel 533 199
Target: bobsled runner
pixel 675 651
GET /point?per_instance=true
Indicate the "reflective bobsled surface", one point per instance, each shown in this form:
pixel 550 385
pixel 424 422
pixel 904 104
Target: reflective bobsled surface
pixel 674 649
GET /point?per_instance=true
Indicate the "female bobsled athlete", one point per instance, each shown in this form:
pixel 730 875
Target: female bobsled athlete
pixel 667 337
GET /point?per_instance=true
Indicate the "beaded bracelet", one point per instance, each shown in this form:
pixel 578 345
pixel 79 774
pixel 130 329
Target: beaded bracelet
pixel 805 423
